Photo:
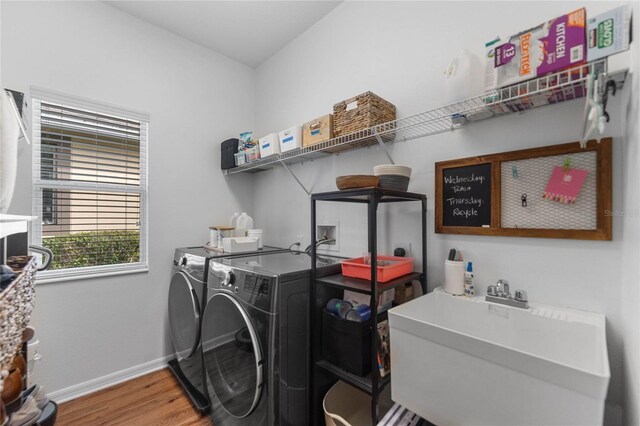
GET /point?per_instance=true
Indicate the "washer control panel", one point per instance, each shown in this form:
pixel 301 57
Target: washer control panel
pixel 254 289
pixel 193 265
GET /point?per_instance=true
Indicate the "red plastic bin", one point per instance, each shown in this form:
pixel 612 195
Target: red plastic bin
pixel 356 268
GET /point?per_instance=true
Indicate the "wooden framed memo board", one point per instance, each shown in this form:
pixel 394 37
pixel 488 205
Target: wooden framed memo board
pixel 558 191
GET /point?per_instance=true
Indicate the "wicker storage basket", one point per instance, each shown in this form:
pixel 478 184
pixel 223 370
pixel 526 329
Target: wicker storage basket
pixel 360 113
pixel 16 304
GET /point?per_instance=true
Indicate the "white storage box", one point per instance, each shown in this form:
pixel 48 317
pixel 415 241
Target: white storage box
pixel 291 138
pixel 269 145
pixel 239 244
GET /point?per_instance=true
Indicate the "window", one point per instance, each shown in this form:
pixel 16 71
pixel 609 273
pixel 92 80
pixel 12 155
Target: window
pixel 90 186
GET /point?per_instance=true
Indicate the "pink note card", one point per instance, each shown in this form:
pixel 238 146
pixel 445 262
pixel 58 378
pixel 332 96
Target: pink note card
pixel 564 185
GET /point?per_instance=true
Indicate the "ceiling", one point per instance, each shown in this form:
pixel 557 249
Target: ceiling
pixel 247 31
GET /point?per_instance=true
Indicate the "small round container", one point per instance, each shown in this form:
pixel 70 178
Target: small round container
pixel 454 277
pixel 213 238
pixel 359 313
pixel 392 169
pixel 392 176
pixel 394 182
pixel 339 307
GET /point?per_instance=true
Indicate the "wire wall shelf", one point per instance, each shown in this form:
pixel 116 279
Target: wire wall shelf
pixel 551 89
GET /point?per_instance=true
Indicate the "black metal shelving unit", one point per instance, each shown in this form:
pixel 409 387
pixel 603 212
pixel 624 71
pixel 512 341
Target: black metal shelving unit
pixel 322 287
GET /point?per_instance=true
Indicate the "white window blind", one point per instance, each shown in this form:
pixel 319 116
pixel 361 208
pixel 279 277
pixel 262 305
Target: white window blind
pixel 90 186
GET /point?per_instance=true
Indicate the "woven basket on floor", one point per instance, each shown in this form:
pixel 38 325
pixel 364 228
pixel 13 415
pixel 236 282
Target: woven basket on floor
pixel 358 114
pixel 16 304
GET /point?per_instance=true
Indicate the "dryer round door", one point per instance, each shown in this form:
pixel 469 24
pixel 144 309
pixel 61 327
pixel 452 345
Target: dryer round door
pixel 232 355
pixel 184 316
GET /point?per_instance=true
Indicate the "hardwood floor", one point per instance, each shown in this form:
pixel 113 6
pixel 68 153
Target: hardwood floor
pixel 154 399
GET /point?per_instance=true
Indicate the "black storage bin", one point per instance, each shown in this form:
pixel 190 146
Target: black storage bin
pixel 227 155
pixel 346 344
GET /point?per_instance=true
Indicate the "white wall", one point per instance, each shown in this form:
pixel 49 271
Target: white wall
pixel 630 288
pixel 399 50
pixel 196 98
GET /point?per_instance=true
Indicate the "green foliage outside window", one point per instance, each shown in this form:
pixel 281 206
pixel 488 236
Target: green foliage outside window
pixel 93 248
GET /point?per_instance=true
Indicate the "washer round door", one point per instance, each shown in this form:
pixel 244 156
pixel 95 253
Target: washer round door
pixel 232 355
pixel 184 316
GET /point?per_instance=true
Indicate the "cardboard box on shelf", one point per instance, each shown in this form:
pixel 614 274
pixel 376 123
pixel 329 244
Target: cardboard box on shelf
pixel 385 300
pixel 403 294
pixel 550 47
pixel 318 130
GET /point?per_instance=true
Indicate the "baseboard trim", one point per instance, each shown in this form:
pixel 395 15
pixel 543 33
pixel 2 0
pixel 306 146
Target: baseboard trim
pixel 99 383
pixel 220 340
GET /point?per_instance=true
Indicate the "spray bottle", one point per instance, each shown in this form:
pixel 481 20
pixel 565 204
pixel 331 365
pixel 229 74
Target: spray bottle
pixel 469 289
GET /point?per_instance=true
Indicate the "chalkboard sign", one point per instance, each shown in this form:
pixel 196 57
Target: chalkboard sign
pixel 466 195
pixel 483 195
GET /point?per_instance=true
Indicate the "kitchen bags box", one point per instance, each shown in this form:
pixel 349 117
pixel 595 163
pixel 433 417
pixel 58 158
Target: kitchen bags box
pixel 269 145
pixel 550 47
pixel 609 33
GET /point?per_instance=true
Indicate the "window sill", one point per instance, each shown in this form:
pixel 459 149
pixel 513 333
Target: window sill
pixel 48 277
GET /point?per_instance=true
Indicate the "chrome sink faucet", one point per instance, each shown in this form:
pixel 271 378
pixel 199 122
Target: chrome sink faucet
pixel 499 293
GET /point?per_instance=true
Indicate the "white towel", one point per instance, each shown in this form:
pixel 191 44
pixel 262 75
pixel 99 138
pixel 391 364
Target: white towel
pixel 9 134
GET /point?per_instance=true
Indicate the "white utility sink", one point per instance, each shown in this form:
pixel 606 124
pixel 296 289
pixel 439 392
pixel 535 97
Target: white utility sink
pixel 464 361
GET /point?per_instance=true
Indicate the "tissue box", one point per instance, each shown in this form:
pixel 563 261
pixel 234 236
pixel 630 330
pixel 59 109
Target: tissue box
pixel 549 47
pixel 269 145
pixel 609 33
pixel 318 130
pixel 290 138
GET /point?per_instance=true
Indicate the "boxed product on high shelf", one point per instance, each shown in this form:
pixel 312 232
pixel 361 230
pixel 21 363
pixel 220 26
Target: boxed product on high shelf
pixel 269 145
pixel 318 130
pixel 609 33
pixel 550 47
pixel 290 139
